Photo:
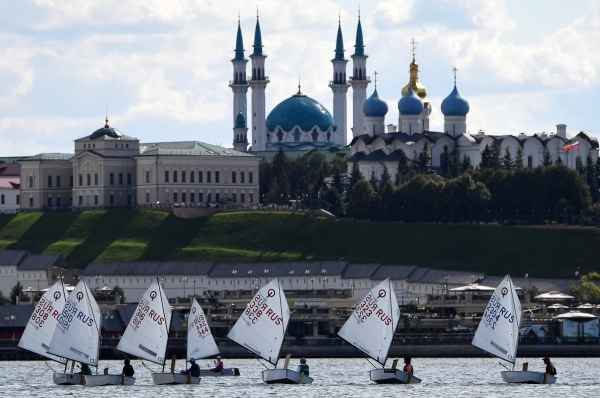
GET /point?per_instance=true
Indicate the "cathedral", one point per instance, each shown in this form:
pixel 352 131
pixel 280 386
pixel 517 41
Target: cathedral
pixel 301 123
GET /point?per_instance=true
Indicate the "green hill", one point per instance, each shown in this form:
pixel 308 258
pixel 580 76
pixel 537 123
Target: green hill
pixel 266 237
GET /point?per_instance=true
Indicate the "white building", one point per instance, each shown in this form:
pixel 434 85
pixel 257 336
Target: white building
pixel 10 182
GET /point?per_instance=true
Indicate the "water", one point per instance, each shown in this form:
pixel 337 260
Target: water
pixel 473 377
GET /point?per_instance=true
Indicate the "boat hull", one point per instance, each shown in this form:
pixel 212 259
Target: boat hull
pixel 284 376
pixel 107 380
pixel 392 376
pixel 224 372
pixel 526 377
pixel 173 378
pixel 66 379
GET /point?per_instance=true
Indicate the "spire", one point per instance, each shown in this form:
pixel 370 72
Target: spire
pixel 339 45
pixel 359 46
pixel 299 93
pixel 257 38
pixel 239 44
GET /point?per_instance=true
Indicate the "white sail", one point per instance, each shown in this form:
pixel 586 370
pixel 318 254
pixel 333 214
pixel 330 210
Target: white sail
pixel 43 321
pixel 498 331
pixel 147 333
pixel 371 326
pixel 261 328
pixel 200 341
pixel 77 334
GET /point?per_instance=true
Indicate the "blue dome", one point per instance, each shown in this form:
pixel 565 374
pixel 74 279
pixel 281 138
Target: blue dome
pixel 240 121
pixel 375 106
pixel 410 104
pixel 302 111
pixel 455 104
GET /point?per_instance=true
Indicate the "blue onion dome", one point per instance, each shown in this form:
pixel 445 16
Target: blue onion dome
pixel 300 110
pixel 240 121
pixel 375 106
pixel 106 131
pixel 455 104
pixel 410 104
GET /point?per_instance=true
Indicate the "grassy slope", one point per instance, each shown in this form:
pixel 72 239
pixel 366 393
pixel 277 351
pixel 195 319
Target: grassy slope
pixel 257 237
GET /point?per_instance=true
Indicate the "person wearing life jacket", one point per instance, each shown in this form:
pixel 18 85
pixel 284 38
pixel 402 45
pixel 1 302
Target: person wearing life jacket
pixel 128 369
pixel 550 369
pixel 85 369
pixel 303 367
pixel 408 368
pixel 218 365
pixel 194 369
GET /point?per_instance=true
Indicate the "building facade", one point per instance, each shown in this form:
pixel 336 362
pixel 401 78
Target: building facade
pixel 113 170
pixel 10 183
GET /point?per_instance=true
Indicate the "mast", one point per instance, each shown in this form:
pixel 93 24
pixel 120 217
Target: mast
pixel 87 289
pixel 167 327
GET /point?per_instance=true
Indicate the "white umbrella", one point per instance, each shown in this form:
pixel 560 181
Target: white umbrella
pixel 574 314
pixel 585 306
pixel 553 296
pixel 473 287
pixel 557 306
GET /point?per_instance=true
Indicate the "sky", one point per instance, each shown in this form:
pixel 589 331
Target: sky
pixel 162 68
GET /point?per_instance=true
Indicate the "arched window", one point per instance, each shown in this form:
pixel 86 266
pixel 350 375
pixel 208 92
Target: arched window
pixel 360 74
pixel 530 161
pixel 577 163
pixel 344 78
pixel 314 135
pixel 296 134
pixel 2 199
pixel 335 78
pixel 18 199
pixel 268 138
pixel 279 135
pixel 328 137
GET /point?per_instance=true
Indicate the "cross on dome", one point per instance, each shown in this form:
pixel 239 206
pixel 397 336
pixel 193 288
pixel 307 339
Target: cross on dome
pixel 413 43
pixel 455 70
pixel 375 73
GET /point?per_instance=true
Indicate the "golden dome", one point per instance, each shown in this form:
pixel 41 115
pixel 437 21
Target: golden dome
pixel 414 82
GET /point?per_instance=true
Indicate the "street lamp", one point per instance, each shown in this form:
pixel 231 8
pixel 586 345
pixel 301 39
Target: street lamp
pixel 38 281
pixel 352 287
pixel 97 277
pixel 312 281
pixel 233 273
pixel 194 280
pixel 446 278
pixel 184 281
pixel 324 281
pixel 292 279
pixel 306 273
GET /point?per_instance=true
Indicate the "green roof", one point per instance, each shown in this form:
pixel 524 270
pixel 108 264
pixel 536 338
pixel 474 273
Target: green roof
pixel 187 148
pixel 50 156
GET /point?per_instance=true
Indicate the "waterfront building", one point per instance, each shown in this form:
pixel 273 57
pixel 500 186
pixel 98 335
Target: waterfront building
pixel 10 183
pixel 112 170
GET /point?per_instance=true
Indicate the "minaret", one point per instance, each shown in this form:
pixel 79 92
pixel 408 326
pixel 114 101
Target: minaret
pixel 239 85
pixel 240 133
pixel 339 86
pixel 359 82
pixel 258 84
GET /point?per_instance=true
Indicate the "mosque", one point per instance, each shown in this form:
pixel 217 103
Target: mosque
pixel 300 123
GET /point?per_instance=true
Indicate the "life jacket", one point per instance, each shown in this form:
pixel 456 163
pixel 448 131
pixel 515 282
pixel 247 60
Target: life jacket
pixel 219 366
pixel 128 370
pixel 408 369
pixel 195 370
pixel 304 369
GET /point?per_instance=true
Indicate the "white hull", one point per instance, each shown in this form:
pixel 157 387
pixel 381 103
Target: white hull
pixel 107 380
pixel 284 376
pixel 173 378
pixel 392 376
pixel 527 377
pixel 66 379
pixel 224 372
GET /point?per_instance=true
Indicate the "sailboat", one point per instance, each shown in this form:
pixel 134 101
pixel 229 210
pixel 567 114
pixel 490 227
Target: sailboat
pixel 200 341
pixel 371 329
pixel 147 334
pixel 261 330
pixel 43 321
pixel 498 334
pixel 77 337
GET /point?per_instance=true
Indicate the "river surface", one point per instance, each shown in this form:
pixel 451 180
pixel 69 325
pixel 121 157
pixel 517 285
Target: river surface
pixel 447 377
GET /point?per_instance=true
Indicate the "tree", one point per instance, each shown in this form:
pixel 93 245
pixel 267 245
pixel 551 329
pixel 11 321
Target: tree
pixel 486 156
pixel 402 169
pixel 373 180
pixel 337 179
pixel 279 171
pixel 414 163
pixel 361 198
pixel 507 162
pixel 519 159
pixel 466 163
pixel 495 156
pixel 587 289
pixel 333 197
pixel 15 292
pixel 445 161
pixel 385 178
pixel 455 164
pixel 547 158
pixel 424 159
pixel 120 292
pixel 355 176
pixel 386 199
pixel 3 300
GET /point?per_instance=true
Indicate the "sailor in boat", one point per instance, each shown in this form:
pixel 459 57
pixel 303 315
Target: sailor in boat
pixel 128 369
pixel 194 369
pixel 85 369
pixel 218 365
pixel 303 367
pixel 550 369
pixel 408 368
